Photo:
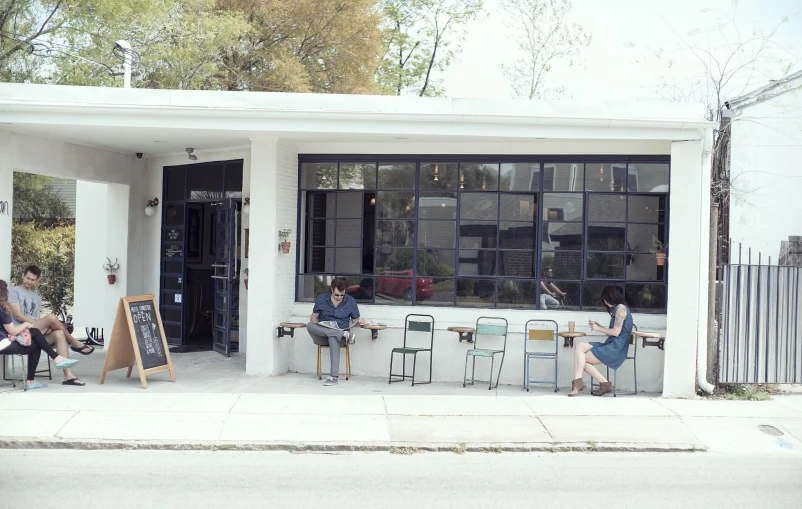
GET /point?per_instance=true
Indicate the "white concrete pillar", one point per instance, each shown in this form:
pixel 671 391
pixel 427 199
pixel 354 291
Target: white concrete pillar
pixel 7 197
pixel 687 265
pixel 262 261
pixel 90 251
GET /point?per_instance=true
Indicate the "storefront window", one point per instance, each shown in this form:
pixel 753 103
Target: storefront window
pixel 507 234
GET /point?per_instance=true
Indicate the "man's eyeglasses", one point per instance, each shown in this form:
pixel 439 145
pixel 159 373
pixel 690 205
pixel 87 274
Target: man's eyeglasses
pixel 339 295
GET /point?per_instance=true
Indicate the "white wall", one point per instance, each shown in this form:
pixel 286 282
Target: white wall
pixel 766 208
pixel 90 244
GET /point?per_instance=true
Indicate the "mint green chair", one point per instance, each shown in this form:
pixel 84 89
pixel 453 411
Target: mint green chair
pixel 492 331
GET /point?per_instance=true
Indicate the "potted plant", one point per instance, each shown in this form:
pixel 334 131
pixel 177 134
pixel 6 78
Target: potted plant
pixel 659 251
pixel 110 269
pixel 285 244
pixel 245 275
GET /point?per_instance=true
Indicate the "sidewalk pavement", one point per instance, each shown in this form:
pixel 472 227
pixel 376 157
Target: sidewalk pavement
pixel 214 405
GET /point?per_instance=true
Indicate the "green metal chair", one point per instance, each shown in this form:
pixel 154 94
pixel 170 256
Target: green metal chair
pixel 419 324
pixel 540 331
pixel 487 326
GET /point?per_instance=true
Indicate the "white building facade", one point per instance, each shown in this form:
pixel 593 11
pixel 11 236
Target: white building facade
pixel 452 208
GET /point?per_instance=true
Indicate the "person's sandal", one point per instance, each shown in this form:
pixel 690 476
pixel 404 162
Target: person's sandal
pixel 603 389
pixel 82 349
pixel 577 386
pixel 74 381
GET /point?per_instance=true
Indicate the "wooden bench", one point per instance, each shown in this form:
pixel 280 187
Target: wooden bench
pixel 288 329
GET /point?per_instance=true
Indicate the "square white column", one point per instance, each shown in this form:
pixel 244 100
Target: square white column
pixel 6 196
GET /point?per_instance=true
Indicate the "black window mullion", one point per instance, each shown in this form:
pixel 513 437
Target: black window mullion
pixel 539 231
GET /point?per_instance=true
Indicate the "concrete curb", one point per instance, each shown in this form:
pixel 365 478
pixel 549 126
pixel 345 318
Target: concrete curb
pixel 401 448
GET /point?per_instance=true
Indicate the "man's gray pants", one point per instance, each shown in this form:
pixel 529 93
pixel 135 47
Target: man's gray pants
pixel 333 338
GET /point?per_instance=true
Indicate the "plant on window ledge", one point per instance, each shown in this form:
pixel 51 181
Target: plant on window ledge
pixel 110 269
pixel 659 251
pixel 650 296
pixel 284 235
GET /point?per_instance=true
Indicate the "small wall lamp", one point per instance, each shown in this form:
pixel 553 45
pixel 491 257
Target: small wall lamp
pixel 150 209
pixel 246 206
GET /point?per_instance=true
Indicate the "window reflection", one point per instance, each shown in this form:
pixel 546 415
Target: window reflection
pixel 520 177
pixel 479 176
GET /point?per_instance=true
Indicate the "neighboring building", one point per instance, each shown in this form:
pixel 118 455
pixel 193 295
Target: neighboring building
pixel 452 208
pixel 765 150
pixel 66 188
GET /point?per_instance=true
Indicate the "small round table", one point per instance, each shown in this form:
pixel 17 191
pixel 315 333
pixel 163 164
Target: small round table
pixel 645 336
pixel 288 329
pixel 374 329
pixel 569 337
pixel 465 333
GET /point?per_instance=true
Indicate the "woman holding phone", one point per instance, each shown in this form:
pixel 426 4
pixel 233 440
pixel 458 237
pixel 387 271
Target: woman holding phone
pixel 612 352
pixel 25 340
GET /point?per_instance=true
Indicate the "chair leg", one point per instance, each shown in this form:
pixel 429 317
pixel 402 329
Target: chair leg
pixel 526 372
pixel 414 365
pixel 390 378
pixel 473 371
pixel 347 362
pixel 490 382
pixel 635 370
pixel 465 374
pixel 500 367
pixel 615 382
pixel 319 367
pixel 555 375
pixel 13 373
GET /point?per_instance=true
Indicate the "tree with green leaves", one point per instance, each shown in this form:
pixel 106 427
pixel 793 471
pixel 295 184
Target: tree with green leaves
pixel 419 37
pixel 544 38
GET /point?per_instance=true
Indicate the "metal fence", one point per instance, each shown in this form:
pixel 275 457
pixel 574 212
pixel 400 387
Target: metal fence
pixel 760 337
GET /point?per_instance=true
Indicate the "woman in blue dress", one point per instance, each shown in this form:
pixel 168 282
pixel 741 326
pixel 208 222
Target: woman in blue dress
pixel 612 352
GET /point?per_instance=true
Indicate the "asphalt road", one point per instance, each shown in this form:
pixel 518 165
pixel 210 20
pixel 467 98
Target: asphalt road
pixel 228 480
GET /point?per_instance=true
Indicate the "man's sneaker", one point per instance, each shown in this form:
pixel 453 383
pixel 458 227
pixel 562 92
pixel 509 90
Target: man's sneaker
pixel 350 337
pixel 330 381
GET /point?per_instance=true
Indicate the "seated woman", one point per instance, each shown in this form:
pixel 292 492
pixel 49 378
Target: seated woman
pixel 31 347
pixel 610 353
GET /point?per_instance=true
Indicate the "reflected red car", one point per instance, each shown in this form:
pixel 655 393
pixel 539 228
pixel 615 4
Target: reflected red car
pixel 399 284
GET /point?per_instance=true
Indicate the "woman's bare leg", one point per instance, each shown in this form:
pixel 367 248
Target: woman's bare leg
pixel 580 358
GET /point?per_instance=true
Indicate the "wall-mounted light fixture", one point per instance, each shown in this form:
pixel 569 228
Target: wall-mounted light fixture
pixel 150 209
pixel 190 155
pixel 436 173
pixel 246 206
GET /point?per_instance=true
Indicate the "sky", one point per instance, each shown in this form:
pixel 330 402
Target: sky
pixel 620 63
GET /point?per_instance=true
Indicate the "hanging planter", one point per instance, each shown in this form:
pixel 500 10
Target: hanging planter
pixel 245 273
pixel 285 247
pixel 659 251
pixel 285 244
pixel 660 259
pixel 110 269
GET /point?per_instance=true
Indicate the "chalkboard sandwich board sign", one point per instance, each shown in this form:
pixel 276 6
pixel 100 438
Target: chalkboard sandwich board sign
pixel 138 337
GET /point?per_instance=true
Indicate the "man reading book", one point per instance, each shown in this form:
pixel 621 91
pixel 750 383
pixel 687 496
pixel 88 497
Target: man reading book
pixel 332 317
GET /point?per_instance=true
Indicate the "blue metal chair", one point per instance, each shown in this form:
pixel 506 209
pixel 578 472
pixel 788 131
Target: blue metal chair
pixel 487 326
pixel 633 358
pixel 422 324
pixel 540 331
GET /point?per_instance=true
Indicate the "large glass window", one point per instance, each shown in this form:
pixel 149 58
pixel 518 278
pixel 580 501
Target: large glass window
pixel 464 233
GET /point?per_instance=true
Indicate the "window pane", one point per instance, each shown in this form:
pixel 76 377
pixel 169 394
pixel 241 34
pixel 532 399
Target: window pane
pixel 563 207
pixel 561 264
pixel 436 262
pixel 393 260
pixel 395 233
pixel 518 207
pixel 568 301
pixel 599 177
pixel 607 207
pixel 520 177
pixel 437 205
pixel 442 234
pixel 439 176
pixel 642 267
pixel 516 263
pixel 563 176
pixel 320 260
pixel 318 175
pixel 474 262
pixel 640 236
pixel 397 176
pixel 395 288
pixel 517 294
pixel 321 232
pixel 562 235
pixel 647 209
pixel 476 292
pixel 591 300
pixel 478 206
pixel 479 176
pixel 517 236
pixel 395 204
pixel 309 287
pixel 361 291
pixel 646 298
pixel 205 182
pixel 605 266
pixel 174 215
pixel 478 234
pixel 606 237
pixel 233 180
pixel 649 178
pixel 348 261
pixel 349 233
pixel 175 183
pixel 349 204
pixel 442 292
pixel 322 204
pixel 357 176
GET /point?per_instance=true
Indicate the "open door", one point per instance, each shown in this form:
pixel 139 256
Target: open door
pixel 225 274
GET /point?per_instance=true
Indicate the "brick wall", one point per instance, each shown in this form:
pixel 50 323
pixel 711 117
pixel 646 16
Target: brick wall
pixel 286 218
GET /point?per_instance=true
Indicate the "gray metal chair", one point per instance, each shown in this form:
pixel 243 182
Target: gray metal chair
pixel 487 326
pixel 542 331
pixel 44 371
pixel 14 378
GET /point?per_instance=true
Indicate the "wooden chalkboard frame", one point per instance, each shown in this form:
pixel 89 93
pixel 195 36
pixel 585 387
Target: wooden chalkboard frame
pixel 122 350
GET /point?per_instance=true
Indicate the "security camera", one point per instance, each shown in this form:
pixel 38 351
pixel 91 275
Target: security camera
pixel 139 155
pixel 122 45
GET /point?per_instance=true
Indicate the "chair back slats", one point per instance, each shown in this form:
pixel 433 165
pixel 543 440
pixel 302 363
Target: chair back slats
pixel 540 330
pixel 486 329
pixel 415 323
pixel 414 326
pixel 491 326
pixel 541 335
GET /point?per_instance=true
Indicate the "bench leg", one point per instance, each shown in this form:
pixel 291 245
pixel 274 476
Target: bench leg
pixel 347 362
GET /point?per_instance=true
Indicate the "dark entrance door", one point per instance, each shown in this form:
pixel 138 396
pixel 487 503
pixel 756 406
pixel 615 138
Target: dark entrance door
pixel 226 275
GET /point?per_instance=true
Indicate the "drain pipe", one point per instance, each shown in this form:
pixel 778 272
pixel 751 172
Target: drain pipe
pixel 702 344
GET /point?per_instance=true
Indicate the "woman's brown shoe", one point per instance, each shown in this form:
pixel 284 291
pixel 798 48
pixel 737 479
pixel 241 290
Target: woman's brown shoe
pixel 603 389
pixel 576 386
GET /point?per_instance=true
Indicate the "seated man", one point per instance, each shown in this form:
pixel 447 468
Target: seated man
pixel 549 291
pixel 334 306
pixel 26 306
